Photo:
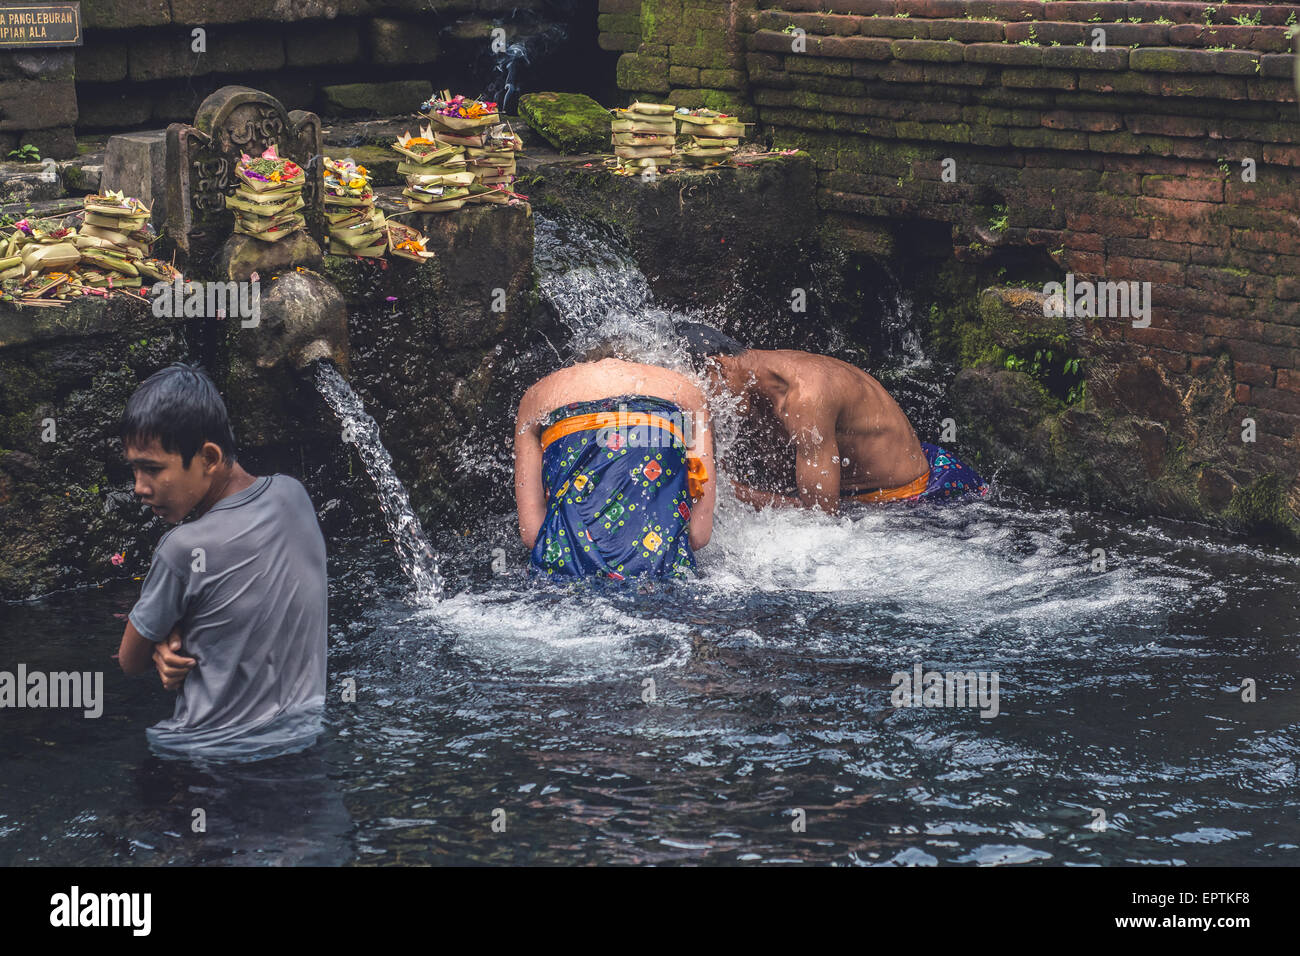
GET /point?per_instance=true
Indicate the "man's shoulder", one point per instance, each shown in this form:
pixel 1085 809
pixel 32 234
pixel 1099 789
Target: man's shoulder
pixel 823 378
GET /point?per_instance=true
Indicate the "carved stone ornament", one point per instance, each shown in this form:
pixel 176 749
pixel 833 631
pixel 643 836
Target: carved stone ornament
pixel 201 161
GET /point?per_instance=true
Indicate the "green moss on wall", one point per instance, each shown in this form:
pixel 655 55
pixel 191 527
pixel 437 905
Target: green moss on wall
pixel 1261 506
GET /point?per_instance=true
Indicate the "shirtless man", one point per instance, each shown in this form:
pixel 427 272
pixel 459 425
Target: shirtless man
pixel 850 439
pixel 614 469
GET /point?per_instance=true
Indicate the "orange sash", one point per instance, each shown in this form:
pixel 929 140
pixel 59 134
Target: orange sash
pixel 909 490
pixel 697 472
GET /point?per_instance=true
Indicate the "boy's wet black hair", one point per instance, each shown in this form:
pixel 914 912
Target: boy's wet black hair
pixel 702 341
pixel 179 406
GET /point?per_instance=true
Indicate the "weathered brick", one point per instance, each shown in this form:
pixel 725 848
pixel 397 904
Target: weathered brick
pixel 856 48
pixel 1253 374
pixel 1266 38
pixel 636 72
pixel 1148 248
pixel 1132 34
pixel 1276 65
pixel 723 79
pixel 1192 233
pixel 927 51
pixel 956 74
pixel 1275 398
pixel 619 42
pixel 967 31
pixel 1178 11
pixel 1171 339
pixel 711 59
pixel 1144 270
pixel 1006 9
pixel 1159 84
pixel 1082 10
pixel 867 8
pixel 1243 350
pixel 1044 33
pixel 936 9
pixel 1039 79
pixel 1048 139
pixel 1145 123
pixel 619 22
pixel 120 14
pixel 1003 54
pixel 1270 91
pixel 1174 187
pixel 683 75
pixel 1081 119
pixel 899 29
pixel 1171 60
pixel 1085 58
pixel 1127 184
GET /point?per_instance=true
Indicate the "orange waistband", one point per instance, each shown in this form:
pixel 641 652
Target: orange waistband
pixel 596 420
pixel 697 473
pixel 909 490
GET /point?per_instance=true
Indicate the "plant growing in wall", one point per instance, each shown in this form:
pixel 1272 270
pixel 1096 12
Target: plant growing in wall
pixel 26 153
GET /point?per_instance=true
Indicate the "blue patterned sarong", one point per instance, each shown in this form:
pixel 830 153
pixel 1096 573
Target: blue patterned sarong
pixel 949 478
pixel 618 501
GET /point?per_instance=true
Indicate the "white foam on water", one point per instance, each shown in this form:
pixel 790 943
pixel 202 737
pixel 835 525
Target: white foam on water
pixel 559 637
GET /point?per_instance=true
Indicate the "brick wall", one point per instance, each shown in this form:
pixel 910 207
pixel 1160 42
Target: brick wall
pixel 1122 163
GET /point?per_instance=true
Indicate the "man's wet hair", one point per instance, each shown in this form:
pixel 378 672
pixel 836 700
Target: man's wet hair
pixel 181 407
pixel 704 341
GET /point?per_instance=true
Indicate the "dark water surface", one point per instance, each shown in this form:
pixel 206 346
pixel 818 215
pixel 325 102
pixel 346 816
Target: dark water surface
pixel 1119 692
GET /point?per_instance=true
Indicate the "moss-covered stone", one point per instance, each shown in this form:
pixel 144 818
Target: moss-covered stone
pixel 1261 507
pixel 1014 318
pixel 637 72
pixel 571 122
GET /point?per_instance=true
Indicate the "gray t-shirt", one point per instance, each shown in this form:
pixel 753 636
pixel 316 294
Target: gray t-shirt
pixel 246 583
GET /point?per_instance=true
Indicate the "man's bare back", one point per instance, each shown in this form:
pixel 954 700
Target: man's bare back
pixel 590 381
pixel 610 377
pixel 847 433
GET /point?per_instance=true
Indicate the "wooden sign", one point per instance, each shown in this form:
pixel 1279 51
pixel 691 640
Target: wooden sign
pixel 24 25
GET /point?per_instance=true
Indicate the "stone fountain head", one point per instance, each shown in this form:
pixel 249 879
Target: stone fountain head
pixel 303 319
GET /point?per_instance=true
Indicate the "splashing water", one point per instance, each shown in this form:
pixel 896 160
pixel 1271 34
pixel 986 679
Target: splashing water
pixel 413 549
pixel 681 722
pixel 598 291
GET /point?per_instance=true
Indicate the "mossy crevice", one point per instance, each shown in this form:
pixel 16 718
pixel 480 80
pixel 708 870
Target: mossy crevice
pixel 1261 507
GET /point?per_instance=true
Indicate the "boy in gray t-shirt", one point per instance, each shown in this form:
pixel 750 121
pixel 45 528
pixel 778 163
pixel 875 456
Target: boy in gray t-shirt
pixel 241 585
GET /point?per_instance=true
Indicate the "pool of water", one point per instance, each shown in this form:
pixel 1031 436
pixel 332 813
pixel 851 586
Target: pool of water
pixel 518 723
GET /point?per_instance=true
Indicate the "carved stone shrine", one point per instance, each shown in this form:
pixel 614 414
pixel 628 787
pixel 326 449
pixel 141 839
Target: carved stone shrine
pixel 201 161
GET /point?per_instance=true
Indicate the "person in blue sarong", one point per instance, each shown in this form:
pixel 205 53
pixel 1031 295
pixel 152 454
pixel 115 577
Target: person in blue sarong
pixel 614 471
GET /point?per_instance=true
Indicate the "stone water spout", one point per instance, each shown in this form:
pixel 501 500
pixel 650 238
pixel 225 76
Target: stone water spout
pixel 303 320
